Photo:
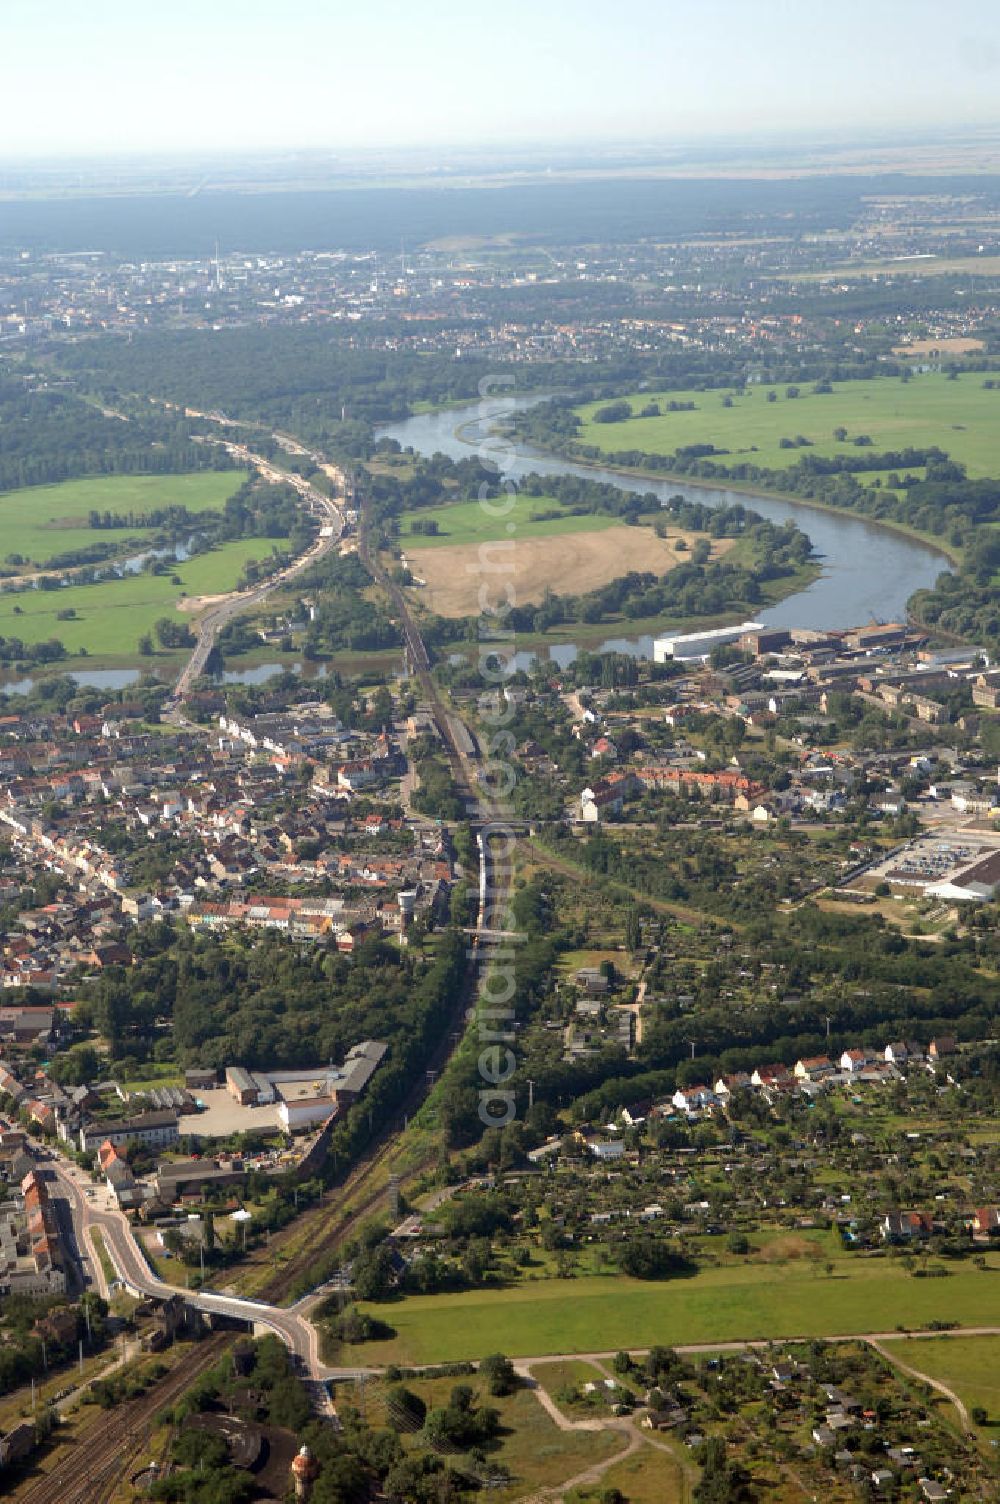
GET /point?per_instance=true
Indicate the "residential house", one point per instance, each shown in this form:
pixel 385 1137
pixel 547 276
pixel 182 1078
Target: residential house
pixel 29 1025
pixel 613 1148
pixel 606 796
pixel 771 1075
pixel 695 1099
pixel 17 1443
pixel 726 1085
pixel 153 1130
pixel 933 1492
pixel 118 1173
pixel 814 1068
pixel 986 1222
pixel 903 1052
pixel 904 1227
pixel 853 1061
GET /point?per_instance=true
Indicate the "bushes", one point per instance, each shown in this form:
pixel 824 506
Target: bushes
pixel 614 412
pixel 499 1374
pixel 374 1273
pixel 461 1424
pixel 356 1326
pixel 650 1258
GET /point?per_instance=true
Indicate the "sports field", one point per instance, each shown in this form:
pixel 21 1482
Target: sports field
pixel 110 618
pixel 40 522
pixel 601 1313
pixel 961 417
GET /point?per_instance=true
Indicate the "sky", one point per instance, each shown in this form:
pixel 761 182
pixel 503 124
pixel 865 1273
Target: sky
pixel 99 77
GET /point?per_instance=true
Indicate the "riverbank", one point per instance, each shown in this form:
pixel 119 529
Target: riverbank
pixel 948 552
pixel 869 569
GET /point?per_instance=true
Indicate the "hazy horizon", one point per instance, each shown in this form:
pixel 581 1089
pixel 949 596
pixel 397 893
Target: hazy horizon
pixel 656 149
pixel 175 80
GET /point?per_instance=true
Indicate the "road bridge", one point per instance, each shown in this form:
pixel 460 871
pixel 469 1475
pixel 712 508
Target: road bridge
pixel 217 616
pixel 132 1268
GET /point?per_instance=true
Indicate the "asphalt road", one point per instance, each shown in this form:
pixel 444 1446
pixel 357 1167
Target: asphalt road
pixel 90 1213
pixel 211 621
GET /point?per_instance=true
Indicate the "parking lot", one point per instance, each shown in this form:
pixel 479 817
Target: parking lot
pixel 224 1116
pixel 932 859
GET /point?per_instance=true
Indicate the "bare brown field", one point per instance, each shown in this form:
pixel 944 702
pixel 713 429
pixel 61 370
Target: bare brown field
pixel 788 1248
pixel 951 345
pixel 565 564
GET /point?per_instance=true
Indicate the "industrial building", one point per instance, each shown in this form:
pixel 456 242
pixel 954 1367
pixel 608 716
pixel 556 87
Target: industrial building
pixel 307 1097
pixel 695 645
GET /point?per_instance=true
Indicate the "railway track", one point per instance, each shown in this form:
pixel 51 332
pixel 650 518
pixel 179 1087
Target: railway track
pixel 461 757
pixel 216 617
pixel 95 1465
pixel 334 1231
pixel 460 750
pixel 89 1473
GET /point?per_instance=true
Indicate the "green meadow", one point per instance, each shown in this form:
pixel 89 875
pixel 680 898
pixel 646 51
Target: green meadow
pixel 474 522
pixel 109 618
pixel 40 522
pixel 602 1313
pixel 969 1365
pixel 537 1454
pixel 961 417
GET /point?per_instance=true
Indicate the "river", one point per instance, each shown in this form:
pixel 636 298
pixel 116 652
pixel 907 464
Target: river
pixel 867 571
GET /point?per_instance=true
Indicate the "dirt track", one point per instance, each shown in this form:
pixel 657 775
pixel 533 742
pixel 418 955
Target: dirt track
pixel 566 564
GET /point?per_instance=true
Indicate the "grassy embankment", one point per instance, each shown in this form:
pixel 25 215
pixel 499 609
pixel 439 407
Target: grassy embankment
pixel 110 1272
pixel 730 1303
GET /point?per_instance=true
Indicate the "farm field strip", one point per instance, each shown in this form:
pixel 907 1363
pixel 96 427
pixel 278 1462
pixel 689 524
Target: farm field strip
pixel 569 564
pixel 471 522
